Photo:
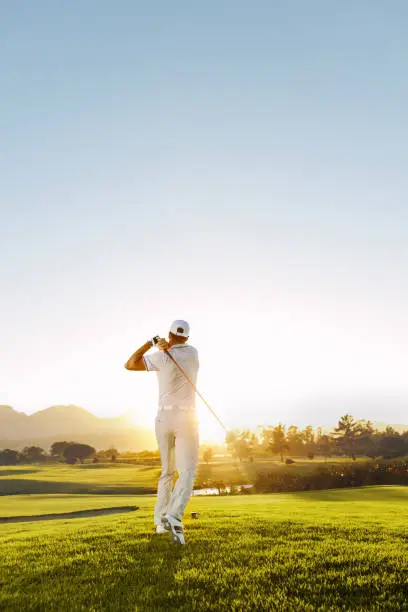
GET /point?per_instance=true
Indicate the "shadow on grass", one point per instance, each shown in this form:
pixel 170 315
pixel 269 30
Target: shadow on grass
pixel 147 468
pixel 26 487
pixel 17 472
pixel 101 466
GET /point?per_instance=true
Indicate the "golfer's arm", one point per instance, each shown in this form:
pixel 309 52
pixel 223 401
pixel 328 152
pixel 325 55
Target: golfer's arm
pixel 136 361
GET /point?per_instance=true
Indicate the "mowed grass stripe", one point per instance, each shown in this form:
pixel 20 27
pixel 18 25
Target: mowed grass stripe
pixel 88 478
pixel 275 552
pixel 26 505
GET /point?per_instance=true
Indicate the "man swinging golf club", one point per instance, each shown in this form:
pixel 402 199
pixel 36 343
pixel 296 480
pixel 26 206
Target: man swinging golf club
pixel 176 423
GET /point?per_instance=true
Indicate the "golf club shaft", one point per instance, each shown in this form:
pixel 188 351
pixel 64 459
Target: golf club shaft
pixel 196 390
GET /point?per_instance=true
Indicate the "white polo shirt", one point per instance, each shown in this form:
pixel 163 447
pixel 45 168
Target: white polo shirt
pixel 174 389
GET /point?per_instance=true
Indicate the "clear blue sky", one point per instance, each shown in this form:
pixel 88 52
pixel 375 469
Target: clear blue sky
pixel 242 165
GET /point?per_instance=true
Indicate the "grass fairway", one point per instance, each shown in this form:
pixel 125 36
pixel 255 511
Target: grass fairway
pixel 127 479
pixel 89 478
pixel 328 550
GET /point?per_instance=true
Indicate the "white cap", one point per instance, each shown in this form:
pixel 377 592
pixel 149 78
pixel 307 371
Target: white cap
pixel 180 328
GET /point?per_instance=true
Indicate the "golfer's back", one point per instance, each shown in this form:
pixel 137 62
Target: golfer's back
pixel 174 388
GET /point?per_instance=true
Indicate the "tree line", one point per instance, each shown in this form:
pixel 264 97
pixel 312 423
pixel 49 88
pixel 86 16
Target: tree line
pixel 70 452
pixel 350 438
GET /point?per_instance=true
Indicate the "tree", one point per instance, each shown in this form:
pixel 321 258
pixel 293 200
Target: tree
pixel 208 455
pixel 278 444
pixel 392 444
pixel 324 445
pixel 295 440
pixel 241 444
pixel 8 457
pixel 266 439
pixel 113 453
pixel 309 441
pixel 241 448
pixel 33 454
pixel 367 444
pixel 57 449
pixel 347 435
pixel 76 451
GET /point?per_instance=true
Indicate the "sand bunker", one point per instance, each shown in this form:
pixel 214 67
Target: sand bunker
pixel 68 515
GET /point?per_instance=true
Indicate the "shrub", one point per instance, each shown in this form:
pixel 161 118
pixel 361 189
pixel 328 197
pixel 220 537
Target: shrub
pixel 335 476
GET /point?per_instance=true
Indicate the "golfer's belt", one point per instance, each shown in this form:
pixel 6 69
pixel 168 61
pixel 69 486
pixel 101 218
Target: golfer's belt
pixel 176 407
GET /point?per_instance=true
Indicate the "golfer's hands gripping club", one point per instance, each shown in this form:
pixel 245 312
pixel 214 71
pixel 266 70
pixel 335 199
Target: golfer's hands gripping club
pixel 162 344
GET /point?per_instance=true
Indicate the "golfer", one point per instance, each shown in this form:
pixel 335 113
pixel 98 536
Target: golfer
pixel 176 423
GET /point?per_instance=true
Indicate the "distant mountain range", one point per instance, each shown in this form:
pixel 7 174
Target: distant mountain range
pixel 70 423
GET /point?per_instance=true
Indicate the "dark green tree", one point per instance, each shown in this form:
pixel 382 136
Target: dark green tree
pixel 367 444
pixel 325 445
pixel 8 457
pixel 33 454
pixel 78 452
pixel 392 444
pixel 57 449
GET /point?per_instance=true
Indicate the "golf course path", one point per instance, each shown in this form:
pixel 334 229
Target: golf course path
pixel 68 515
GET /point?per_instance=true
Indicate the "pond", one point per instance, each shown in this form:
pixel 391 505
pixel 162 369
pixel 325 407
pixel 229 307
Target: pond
pixel 214 491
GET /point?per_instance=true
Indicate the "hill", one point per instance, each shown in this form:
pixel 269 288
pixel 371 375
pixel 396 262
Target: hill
pixel 44 427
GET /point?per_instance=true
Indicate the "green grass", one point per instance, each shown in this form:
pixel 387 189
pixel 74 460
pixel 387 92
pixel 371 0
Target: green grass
pixel 88 478
pixel 344 549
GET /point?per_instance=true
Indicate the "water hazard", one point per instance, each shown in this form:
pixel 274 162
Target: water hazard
pixel 222 490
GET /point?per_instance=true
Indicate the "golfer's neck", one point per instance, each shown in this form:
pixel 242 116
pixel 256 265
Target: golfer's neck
pixel 171 343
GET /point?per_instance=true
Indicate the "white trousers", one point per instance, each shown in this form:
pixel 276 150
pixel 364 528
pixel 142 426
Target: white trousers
pixel 177 438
